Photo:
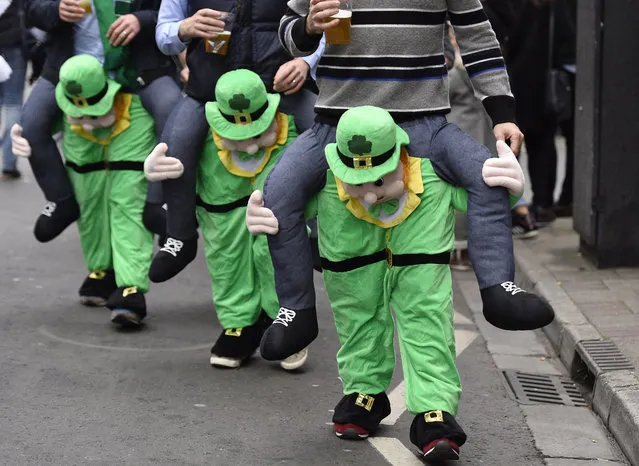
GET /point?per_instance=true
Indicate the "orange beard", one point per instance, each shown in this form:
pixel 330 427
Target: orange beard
pixel 119 105
pixel 403 159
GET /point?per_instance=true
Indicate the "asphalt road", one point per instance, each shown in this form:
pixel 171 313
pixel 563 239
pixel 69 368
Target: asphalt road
pixel 74 391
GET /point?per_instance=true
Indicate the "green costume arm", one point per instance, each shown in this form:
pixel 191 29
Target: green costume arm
pixel 311 209
pixel 460 199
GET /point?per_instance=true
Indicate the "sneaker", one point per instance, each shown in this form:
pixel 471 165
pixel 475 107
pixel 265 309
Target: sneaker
pixel 543 216
pixel 128 307
pixel 11 174
pixel 508 307
pixel 290 333
pixel 524 226
pixel 295 361
pixel 55 218
pixel 172 258
pixel 437 435
pixel 358 415
pixel 97 288
pixel 235 345
pixel 459 260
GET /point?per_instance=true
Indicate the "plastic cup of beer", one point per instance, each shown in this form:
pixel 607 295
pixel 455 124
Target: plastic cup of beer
pixel 340 34
pixel 86 6
pixel 220 43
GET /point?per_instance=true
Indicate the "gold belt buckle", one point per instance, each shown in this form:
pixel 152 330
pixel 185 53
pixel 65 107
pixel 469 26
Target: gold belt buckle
pixel 389 257
pixel 80 102
pixel 361 397
pixel 362 162
pixel 243 119
pixel 434 416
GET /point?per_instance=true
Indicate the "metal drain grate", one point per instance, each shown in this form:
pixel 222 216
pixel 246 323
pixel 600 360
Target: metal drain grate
pixel 602 355
pixel 532 389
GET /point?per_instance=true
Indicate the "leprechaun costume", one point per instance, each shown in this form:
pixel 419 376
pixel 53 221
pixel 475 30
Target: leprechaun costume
pixel 378 254
pixel 105 167
pixel 239 263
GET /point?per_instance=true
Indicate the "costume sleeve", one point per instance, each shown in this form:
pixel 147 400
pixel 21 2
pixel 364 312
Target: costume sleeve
pixel 460 199
pixel 170 17
pixel 292 30
pixel 482 58
pixel 311 209
pixel 43 14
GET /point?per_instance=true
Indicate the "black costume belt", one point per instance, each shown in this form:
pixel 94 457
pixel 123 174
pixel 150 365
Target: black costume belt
pixel 222 208
pixel 393 260
pixel 104 165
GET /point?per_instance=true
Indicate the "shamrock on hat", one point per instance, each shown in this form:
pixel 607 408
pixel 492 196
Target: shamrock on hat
pixel 368 145
pixel 84 89
pixel 242 108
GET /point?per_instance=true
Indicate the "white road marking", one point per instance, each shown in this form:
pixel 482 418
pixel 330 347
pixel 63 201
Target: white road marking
pixel 395 452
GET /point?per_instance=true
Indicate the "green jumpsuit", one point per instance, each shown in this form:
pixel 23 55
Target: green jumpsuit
pixel 239 263
pixel 410 272
pixel 106 170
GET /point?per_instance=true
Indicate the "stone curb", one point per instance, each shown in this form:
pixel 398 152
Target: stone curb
pixel 615 393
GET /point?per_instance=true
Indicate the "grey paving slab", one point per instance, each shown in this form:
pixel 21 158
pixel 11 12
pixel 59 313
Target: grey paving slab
pixel 581 433
pixel 535 364
pixel 510 343
pixel 611 309
pixel 569 462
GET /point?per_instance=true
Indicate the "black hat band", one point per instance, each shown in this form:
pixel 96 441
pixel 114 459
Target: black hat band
pixel 83 102
pixel 243 119
pixel 361 162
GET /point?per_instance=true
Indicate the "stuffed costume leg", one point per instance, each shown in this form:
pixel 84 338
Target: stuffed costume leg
pixel 363 279
pixel 106 171
pixel 239 264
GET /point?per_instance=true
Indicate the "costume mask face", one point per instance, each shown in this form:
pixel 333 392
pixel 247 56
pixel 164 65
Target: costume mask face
pixel 90 123
pixel 251 146
pixel 388 188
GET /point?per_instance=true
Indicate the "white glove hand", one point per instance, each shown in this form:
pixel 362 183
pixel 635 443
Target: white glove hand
pixel 19 145
pixel 158 166
pixel 504 171
pixel 259 219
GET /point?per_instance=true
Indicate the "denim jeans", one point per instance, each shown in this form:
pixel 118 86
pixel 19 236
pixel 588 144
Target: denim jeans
pixel 11 95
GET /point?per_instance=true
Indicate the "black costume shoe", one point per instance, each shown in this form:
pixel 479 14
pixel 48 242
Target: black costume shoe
pixel 236 345
pixel 508 307
pixel 55 218
pixel 358 415
pixel 154 218
pixel 173 257
pixel 97 288
pixel 437 435
pixel 128 307
pixel 290 333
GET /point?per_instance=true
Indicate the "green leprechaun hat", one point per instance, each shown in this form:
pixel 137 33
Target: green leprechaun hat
pixel 83 89
pixel 368 145
pixel 242 108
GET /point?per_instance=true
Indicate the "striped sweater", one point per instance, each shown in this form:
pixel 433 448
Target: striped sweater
pixel 395 58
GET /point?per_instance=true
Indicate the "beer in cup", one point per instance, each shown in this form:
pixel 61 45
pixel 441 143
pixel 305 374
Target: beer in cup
pixel 340 34
pixel 86 6
pixel 220 43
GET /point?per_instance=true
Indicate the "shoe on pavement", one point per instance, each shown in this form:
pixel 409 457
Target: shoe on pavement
pixel 357 415
pixel 295 361
pixel 236 345
pixel 172 258
pixel 97 288
pixel 290 333
pixel 524 226
pixel 543 216
pixel 562 210
pixel 508 307
pixel 437 435
pixel 128 307
pixel 12 174
pixel 55 218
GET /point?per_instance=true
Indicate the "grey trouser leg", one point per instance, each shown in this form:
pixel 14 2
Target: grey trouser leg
pixel 298 175
pixel 458 159
pixel 39 115
pixel 302 106
pixel 184 134
pixel 159 98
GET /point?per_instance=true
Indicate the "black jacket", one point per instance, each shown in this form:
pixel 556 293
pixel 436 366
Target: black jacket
pixel 10 30
pixel 148 61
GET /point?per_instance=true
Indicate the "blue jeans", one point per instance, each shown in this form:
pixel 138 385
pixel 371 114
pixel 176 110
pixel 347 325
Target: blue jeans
pixel 11 94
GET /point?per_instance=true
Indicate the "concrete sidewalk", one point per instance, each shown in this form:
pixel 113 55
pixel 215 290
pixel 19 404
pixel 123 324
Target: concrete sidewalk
pixel 597 312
